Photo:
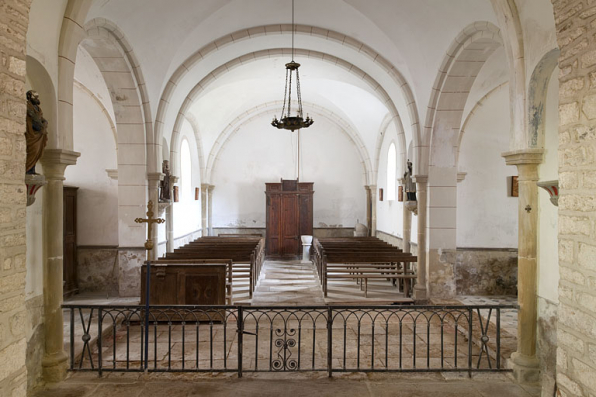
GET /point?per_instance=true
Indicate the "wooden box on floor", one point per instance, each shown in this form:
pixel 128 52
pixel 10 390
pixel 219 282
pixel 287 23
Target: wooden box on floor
pixel 190 282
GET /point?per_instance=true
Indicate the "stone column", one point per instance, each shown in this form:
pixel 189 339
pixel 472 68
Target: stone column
pixel 407 223
pixel 153 189
pixel 54 163
pixel 368 209
pixel 170 217
pixel 372 196
pixel 204 209
pixel 421 288
pixel 210 210
pixel 524 363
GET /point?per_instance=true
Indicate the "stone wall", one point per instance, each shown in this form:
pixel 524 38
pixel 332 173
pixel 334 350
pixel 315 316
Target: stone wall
pixel 97 269
pixel 485 271
pixel 14 20
pixel 576 333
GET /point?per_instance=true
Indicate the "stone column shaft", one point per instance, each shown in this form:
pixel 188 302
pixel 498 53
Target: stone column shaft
pixel 210 210
pixel 372 196
pixel 153 179
pixel 407 225
pixel 368 208
pixel 525 363
pixel 54 164
pixel 204 209
pixel 421 289
pixel 170 217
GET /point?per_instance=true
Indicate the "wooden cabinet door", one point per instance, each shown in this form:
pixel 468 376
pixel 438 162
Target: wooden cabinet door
pixel 289 215
pixel 273 224
pixel 290 226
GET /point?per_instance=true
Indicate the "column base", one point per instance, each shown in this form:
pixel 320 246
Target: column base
pixel 526 369
pixel 54 367
pixel 420 294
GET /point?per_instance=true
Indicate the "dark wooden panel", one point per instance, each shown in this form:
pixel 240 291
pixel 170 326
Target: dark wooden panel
pixel 289 185
pixel 201 290
pixel 69 225
pixel 289 215
pixel 290 225
pixel 306 221
pixel 185 284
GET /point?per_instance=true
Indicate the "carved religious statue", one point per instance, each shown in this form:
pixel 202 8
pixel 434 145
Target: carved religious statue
pixel 410 186
pixel 164 185
pixel 37 131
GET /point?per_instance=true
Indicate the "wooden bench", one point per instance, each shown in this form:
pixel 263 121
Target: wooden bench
pixel 188 282
pixel 362 258
pixel 246 254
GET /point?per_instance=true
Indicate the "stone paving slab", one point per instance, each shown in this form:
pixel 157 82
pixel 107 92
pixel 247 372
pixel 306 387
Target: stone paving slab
pixel 289 384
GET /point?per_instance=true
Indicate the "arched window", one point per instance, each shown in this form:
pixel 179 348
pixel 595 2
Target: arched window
pixel 391 170
pixel 185 172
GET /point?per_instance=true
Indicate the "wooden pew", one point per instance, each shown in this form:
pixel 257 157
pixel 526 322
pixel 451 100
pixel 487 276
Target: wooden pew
pixel 188 282
pixel 246 253
pixel 362 258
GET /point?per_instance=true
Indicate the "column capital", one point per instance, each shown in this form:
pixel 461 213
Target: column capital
pixel 55 161
pixel 523 157
pixel 420 178
pixel 155 176
pixel 173 179
pixel 210 188
pixel 372 187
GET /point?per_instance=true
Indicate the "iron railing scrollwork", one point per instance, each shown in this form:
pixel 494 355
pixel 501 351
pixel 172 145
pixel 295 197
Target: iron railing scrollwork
pixel 277 339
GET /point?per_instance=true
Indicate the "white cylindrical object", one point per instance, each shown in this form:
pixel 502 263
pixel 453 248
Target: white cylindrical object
pixel 306 243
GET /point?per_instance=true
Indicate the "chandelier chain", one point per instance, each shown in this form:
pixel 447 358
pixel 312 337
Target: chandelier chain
pixel 283 109
pixel 293 28
pixel 290 95
pixel 299 95
pixel 287 121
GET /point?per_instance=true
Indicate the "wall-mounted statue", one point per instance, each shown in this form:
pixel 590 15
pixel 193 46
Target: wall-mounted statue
pixel 37 131
pixel 164 185
pixel 410 186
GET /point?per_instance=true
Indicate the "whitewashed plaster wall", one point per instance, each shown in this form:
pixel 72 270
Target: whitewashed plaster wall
pixel 486 215
pixel 43 38
pixel 88 74
pixel 389 213
pixel 187 212
pixel 494 73
pixel 258 153
pixel 34 278
pixel 97 207
pixel 548 263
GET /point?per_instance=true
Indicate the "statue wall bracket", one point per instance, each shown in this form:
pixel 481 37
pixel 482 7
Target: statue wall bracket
pixel 34 182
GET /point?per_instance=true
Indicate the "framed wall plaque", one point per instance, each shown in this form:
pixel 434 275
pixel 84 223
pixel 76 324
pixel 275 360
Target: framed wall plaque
pixel 197 193
pixel 400 193
pixel 381 194
pixel 514 187
pixel 176 195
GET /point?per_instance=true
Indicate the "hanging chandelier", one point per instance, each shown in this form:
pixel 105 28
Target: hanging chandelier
pixel 287 120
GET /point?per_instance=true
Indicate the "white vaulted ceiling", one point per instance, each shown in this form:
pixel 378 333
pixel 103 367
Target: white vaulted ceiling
pixel 412 36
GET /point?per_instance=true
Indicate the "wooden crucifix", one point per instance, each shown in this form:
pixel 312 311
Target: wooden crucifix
pixel 149 221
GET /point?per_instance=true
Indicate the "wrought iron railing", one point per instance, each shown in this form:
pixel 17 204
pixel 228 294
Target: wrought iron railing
pixel 262 339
